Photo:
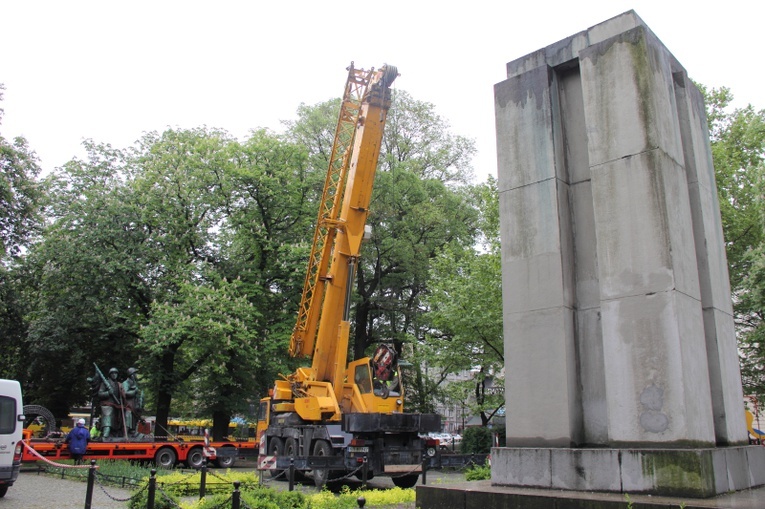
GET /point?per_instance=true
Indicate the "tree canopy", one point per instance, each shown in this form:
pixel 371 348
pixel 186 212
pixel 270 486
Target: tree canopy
pixel 737 138
pixel 184 256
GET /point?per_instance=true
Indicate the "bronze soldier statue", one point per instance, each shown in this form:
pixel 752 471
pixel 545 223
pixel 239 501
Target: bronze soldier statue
pixel 110 399
pixel 133 401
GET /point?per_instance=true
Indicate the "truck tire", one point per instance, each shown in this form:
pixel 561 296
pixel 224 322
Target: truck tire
pixel 405 481
pixel 321 476
pixel 196 458
pixel 35 410
pixel 275 448
pixel 165 458
pixel 291 448
pixel 225 461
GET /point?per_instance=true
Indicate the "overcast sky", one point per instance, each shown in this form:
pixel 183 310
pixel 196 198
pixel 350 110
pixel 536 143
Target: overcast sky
pixel 111 70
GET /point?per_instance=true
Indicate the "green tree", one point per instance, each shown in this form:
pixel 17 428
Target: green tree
pixel 85 294
pixel 210 329
pixel 20 193
pixel 419 204
pixel 267 239
pixel 738 144
pixel 465 313
pixel 20 202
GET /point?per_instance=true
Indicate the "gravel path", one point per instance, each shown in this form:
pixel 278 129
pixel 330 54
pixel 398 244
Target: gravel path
pixel 33 491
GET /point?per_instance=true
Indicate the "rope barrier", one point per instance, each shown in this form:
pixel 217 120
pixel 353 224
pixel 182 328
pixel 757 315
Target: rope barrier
pixel 46 460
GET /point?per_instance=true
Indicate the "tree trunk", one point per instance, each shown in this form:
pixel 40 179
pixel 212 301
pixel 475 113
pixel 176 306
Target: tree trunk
pixel 165 390
pixel 360 339
pixel 221 419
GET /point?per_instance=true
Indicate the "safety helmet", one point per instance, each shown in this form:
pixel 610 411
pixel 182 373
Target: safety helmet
pixel 81 422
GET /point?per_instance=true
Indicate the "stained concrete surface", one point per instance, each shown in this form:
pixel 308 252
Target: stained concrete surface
pixel 482 495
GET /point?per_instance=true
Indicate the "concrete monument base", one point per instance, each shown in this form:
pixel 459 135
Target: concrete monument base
pixel 694 473
pixel 483 495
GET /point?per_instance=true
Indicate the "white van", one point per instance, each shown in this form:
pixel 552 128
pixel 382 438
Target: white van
pixel 11 427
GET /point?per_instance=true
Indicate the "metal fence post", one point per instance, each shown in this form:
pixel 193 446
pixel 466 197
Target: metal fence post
pixel 152 488
pixel 292 473
pixel 236 496
pixel 203 479
pixel 91 482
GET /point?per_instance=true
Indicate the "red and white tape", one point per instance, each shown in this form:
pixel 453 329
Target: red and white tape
pixel 46 460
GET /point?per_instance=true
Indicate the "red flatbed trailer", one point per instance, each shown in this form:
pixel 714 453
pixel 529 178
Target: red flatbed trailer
pixel 164 454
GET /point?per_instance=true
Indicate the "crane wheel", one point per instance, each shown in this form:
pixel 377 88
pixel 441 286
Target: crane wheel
pixel 405 481
pixel 291 448
pixel 275 448
pixel 321 476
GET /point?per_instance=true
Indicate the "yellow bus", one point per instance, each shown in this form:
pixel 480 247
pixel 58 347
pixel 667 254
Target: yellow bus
pixel 193 430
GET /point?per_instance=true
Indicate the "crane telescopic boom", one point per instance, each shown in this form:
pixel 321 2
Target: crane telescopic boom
pixel 346 410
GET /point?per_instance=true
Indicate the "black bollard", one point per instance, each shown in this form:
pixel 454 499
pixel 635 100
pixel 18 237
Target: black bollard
pixel 236 496
pixel 91 482
pixel 152 488
pixel 361 501
pixel 364 472
pixel 425 471
pixel 292 473
pixel 203 479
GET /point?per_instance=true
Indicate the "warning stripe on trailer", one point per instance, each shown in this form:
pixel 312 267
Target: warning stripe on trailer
pixel 266 462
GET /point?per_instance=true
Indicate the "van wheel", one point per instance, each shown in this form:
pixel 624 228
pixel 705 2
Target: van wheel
pixel 3 491
pixel 165 458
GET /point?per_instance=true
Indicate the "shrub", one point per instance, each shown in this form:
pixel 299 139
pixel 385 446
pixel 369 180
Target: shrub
pixel 478 472
pixel 256 497
pixel 161 501
pixel 347 499
pixel 253 500
pixel 476 440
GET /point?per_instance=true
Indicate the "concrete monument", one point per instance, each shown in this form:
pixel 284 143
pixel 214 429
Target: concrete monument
pixel 622 370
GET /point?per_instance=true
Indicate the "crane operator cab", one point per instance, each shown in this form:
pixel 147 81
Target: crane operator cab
pixel 387 379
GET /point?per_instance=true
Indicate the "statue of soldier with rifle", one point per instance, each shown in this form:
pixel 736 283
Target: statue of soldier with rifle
pixel 133 402
pixel 110 399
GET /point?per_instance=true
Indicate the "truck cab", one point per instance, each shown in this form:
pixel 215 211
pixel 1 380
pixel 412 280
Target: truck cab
pixel 11 429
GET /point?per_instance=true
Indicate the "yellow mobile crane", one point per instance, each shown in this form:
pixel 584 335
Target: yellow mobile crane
pixel 335 417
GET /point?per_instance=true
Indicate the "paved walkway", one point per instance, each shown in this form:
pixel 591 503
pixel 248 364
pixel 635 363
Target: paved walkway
pixel 33 491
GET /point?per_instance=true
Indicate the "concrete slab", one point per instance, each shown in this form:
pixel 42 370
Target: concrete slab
pixel 690 473
pixel 543 338
pixel 482 495
pixel 585 470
